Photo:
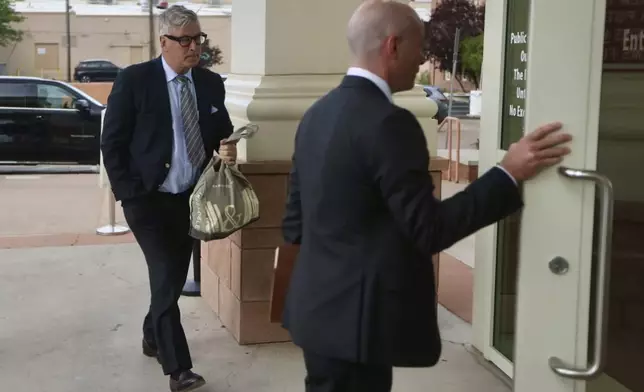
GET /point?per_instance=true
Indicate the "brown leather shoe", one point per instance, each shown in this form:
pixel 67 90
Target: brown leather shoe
pixel 187 381
pixel 150 350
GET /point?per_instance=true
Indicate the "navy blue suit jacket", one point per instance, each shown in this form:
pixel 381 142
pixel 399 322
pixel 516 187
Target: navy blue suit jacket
pixel 137 133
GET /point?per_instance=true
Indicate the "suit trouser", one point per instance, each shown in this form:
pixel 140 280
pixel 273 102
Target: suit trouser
pixel 160 224
pixel 335 375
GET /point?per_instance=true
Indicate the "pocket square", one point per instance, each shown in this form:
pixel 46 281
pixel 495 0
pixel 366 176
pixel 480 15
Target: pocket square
pixel 213 110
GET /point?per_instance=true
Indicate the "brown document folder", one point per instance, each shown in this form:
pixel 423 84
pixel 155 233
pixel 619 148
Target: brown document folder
pixel 285 256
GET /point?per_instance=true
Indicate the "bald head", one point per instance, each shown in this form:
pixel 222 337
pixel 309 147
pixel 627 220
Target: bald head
pixel 374 21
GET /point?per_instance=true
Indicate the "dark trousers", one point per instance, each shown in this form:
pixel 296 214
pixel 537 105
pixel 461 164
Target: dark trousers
pixel 160 224
pixel 334 375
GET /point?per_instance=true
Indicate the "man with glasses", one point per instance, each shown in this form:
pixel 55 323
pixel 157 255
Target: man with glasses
pixel 164 120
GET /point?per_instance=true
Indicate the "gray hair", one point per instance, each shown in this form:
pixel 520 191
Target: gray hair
pixel 176 17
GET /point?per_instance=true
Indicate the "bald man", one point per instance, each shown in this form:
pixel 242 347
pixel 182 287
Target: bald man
pixel 361 207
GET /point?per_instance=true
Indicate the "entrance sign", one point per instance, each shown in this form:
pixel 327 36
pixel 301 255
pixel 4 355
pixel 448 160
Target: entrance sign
pixel 624 35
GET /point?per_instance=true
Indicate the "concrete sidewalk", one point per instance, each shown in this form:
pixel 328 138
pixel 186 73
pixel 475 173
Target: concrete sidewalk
pixel 54 210
pixel 70 321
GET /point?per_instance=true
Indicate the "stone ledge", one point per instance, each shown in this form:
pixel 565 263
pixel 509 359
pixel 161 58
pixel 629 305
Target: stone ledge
pixel 438 164
pixel 265 167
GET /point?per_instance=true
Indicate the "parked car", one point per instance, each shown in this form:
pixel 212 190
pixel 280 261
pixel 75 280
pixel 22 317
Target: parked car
pixel 435 94
pixel 47 121
pixel 96 71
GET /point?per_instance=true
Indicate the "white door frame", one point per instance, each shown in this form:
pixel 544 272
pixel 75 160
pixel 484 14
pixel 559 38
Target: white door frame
pixel 564 84
pixel 489 155
pixel 565 68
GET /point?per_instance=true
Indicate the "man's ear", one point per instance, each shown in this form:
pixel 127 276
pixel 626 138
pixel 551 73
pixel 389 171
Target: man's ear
pixel 391 46
pixel 162 41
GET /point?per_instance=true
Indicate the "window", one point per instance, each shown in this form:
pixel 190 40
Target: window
pixel 90 64
pixel 13 95
pixel 47 96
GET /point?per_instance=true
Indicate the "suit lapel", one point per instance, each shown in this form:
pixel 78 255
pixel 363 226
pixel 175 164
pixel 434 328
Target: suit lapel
pixel 160 89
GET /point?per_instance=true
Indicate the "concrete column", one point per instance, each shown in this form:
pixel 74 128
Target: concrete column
pixel 285 55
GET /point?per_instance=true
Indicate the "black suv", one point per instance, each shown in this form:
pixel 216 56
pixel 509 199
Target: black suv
pixel 96 71
pixel 47 121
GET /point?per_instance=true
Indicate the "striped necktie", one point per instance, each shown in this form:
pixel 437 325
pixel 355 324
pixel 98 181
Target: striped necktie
pixel 194 142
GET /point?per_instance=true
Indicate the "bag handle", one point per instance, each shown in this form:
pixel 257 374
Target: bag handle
pixel 245 132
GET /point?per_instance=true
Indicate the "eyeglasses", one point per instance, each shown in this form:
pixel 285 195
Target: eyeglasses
pixel 185 41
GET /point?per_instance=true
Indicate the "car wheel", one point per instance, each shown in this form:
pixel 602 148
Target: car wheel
pixel 85 79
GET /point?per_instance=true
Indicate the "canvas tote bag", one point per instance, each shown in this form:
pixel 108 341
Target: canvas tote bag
pixel 223 200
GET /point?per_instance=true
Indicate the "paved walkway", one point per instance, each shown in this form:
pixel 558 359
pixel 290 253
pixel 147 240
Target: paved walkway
pixel 59 209
pixel 71 321
pixel 71 314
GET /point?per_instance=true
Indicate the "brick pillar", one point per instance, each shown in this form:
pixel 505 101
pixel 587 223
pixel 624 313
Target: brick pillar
pixel 237 271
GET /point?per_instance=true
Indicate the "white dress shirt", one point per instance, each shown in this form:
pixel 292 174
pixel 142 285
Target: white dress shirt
pixel 182 174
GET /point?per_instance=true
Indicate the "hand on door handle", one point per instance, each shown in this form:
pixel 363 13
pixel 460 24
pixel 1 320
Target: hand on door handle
pixel 604 239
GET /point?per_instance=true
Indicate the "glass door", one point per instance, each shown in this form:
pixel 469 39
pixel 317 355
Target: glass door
pixel 580 304
pixel 505 77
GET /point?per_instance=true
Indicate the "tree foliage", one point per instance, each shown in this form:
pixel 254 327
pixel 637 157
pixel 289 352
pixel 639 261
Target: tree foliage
pixel 441 30
pixel 8 17
pixel 210 55
pixel 472 58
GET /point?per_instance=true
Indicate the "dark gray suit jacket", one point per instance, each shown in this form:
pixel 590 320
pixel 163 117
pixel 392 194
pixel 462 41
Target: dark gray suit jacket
pixel 361 206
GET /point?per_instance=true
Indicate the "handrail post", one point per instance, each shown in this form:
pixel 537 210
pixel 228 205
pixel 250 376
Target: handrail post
pixel 458 150
pixel 111 228
pixel 449 144
pixel 449 148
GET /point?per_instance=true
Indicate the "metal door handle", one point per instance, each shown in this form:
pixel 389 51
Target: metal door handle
pixel 604 238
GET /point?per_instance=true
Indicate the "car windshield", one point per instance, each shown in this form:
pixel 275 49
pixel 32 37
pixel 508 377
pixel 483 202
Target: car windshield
pixel 84 95
pixel 437 93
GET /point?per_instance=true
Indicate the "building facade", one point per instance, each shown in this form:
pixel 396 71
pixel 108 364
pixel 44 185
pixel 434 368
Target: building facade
pixel 119 33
